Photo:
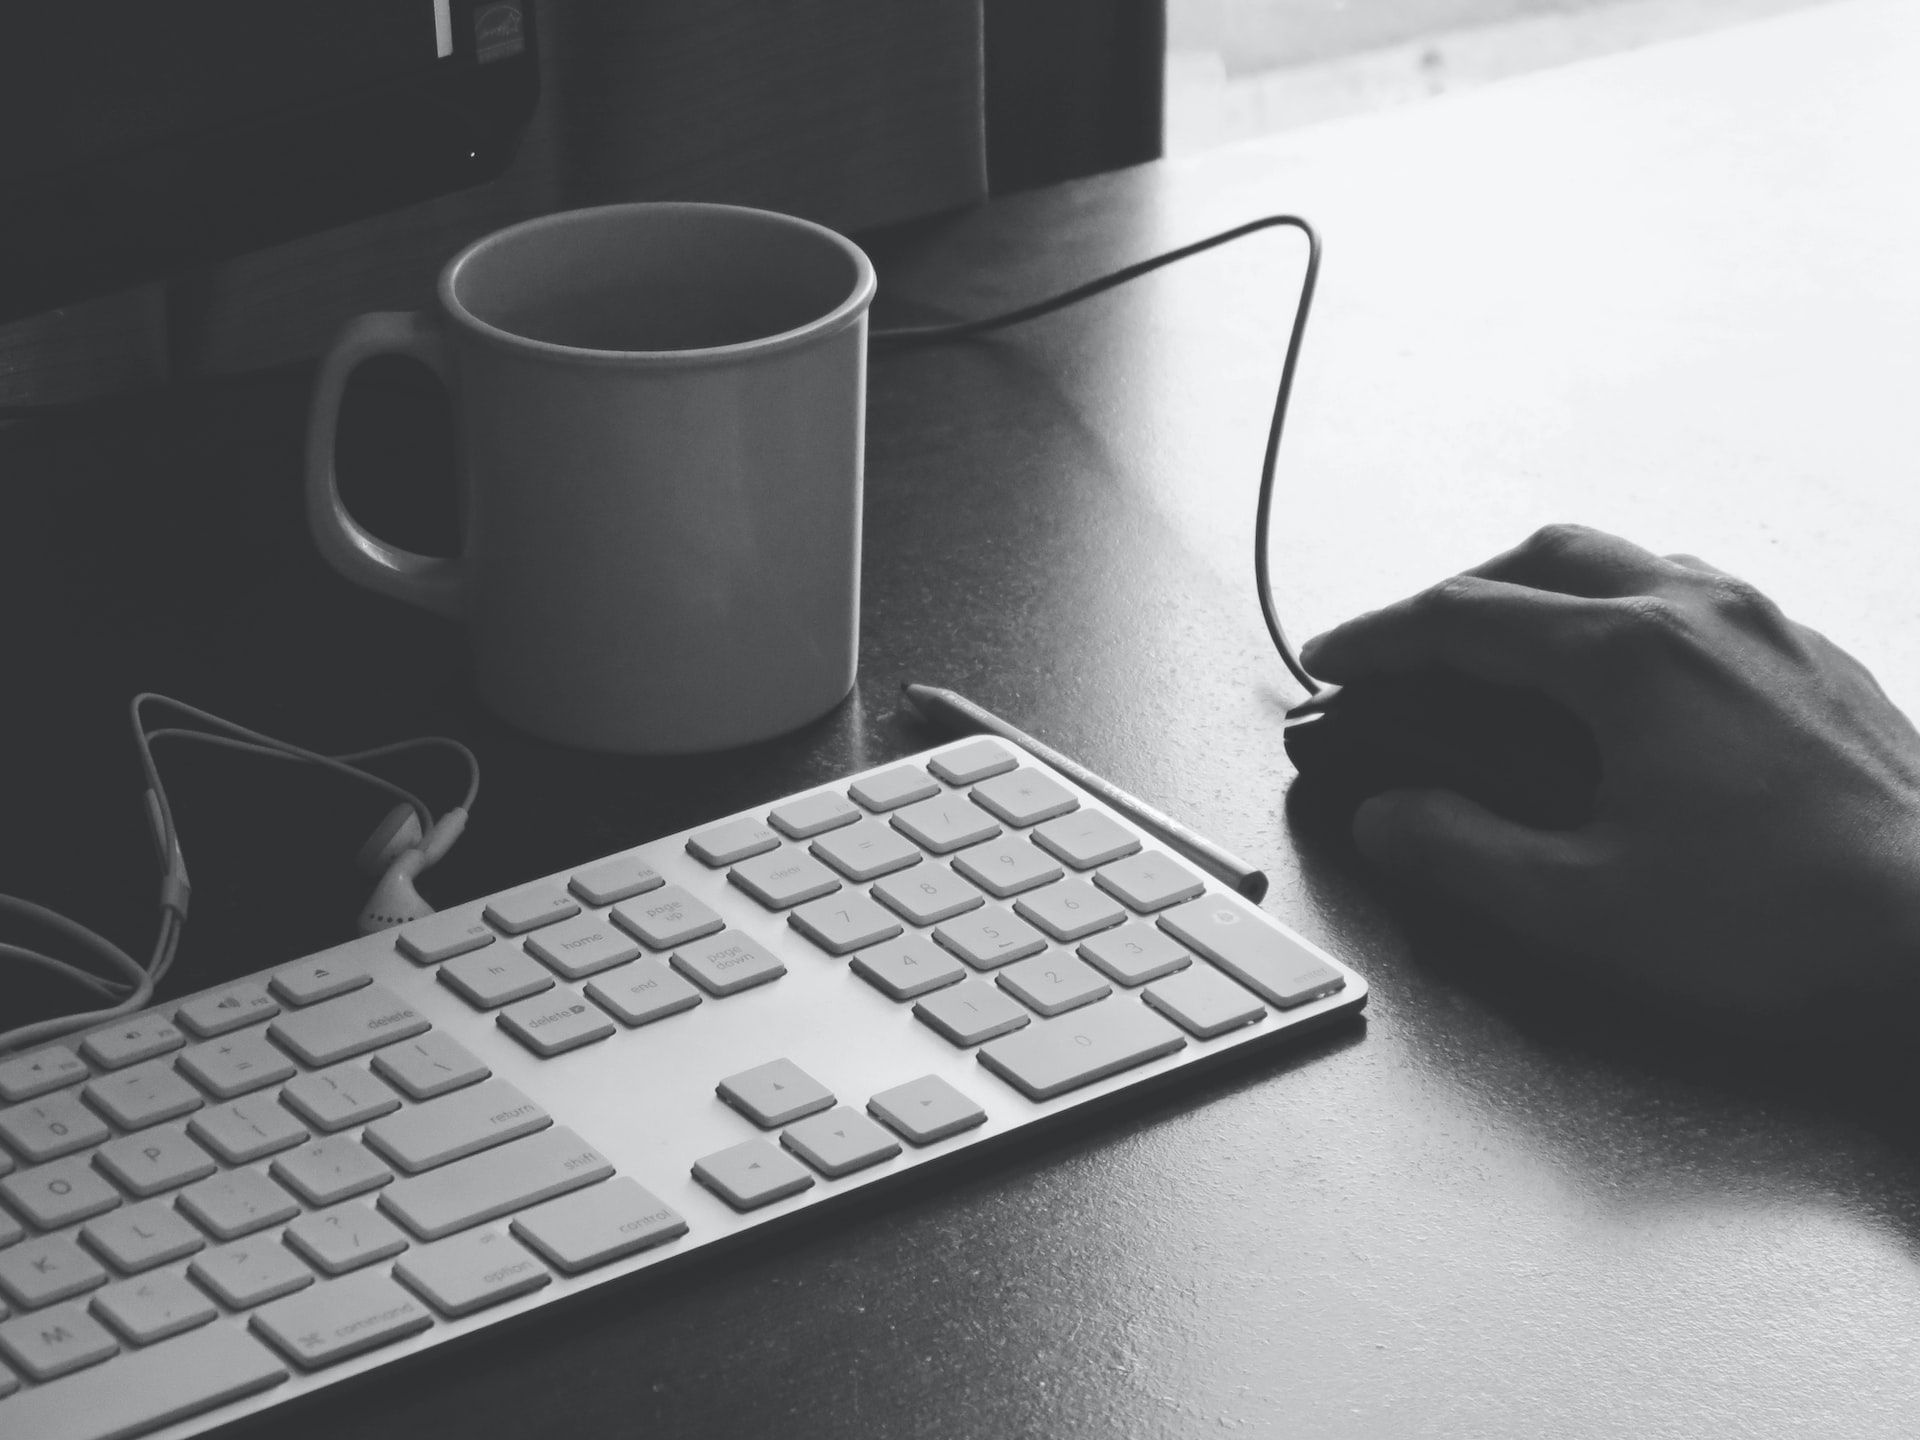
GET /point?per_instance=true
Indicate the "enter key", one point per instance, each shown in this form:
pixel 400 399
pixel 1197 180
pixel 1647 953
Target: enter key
pixel 463 1123
pixel 1275 966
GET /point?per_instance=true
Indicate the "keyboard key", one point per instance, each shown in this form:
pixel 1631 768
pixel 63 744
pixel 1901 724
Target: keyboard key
pixel 488 1185
pixel 731 840
pixel 339 1318
pixel 945 823
pixel 643 992
pixel 251 1272
pixel 866 851
pixel 9 1382
pixel 989 937
pixel 495 977
pixel 153 1308
pixel 554 1024
pixel 1136 953
pixel 1007 866
pixel 665 918
pixel 890 789
pixel 236 1064
pixel 441 937
pixel 841 923
pixel 1069 910
pixel 25 1077
pixel 172 1381
pixel 906 968
pixel 1056 1056
pixel 772 1094
pixel 529 908
pixel 752 1174
pixel 11 1233
pixel 582 946
pixel 620 878
pixel 248 1129
pixel 926 1110
pixel 154 1160
pixel 1203 1002
pixel 1086 838
pixel 45 1269
pixel 1053 984
pixel 339 1096
pixel 227 1008
pixel 52 1126
pixel 839 1142
pixel 1275 966
pixel 1024 797
pixel 595 1227
pixel 131 1041
pixel 308 982
pixel 970 1012
pixel 1148 881
pixel 976 760
pixel 463 1123
pixel 330 1170
pixel 812 815
pixel 345 1237
pixel 728 963
pixel 60 1192
pixel 139 1237
pixel 471 1271
pixel 349 1025
pixel 431 1065
pixel 783 878
pixel 142 1095
pixel 926 894
pixel 51 1344
pixel 236 1203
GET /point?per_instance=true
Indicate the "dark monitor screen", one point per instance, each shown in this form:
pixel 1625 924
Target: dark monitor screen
pixel 144 139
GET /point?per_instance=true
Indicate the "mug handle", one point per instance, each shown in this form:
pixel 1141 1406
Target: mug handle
pixel 431 583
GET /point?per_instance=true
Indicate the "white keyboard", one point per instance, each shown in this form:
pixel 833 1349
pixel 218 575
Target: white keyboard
pixel 242 1196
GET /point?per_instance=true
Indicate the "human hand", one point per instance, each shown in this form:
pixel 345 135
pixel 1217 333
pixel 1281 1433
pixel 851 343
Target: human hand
pixel 1756 838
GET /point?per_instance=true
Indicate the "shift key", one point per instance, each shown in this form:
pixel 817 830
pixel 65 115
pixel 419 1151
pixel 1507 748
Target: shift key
pixel 353 1024
pixel 495 1182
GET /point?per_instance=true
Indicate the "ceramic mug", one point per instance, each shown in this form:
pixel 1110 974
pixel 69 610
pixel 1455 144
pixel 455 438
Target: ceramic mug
pixel 660 412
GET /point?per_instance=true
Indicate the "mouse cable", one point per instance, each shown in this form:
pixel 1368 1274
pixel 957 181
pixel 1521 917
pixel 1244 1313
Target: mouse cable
pixel 133 987
pixel 908 335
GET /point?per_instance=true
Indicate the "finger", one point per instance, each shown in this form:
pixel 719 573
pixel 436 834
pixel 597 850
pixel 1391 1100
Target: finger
pixel 1695 564
pixel 1506 634
pixel 1538 882
pixel 1577 560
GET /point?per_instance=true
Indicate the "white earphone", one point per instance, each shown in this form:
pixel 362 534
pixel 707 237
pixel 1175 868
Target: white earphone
pixel 408 841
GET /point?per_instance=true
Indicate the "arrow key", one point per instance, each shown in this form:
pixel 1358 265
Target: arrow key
pixel 839 1142
pixel 926 1110
pixel 772 1094
pixel 751 1175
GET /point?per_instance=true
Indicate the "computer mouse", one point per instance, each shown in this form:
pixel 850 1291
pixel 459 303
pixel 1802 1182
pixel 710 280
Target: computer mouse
pixel 1516 751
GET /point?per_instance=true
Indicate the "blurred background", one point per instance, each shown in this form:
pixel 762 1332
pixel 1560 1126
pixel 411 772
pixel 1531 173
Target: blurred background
pixel 1240 68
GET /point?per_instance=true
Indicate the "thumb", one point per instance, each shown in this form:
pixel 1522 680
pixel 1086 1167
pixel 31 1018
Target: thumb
pixel 1532 880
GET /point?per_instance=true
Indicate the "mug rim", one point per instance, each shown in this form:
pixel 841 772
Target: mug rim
pixel 841 317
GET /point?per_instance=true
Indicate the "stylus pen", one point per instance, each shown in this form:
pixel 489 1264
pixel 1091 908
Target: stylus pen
pixel 958 715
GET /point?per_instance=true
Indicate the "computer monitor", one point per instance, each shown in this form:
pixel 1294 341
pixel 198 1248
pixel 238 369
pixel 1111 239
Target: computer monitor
pixel 144 139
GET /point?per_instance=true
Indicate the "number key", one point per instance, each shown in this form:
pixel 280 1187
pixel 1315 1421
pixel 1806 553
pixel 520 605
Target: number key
pixel 1006 867
pixel 1053 984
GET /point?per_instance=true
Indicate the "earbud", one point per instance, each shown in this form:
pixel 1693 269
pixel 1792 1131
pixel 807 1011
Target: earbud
pixel 395 901
pixel 391 838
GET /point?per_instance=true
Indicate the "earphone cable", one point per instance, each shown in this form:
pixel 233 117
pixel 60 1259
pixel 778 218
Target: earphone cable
pixel 912 335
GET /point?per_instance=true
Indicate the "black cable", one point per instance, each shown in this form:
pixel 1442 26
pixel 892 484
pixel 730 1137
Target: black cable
pixel 907 335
